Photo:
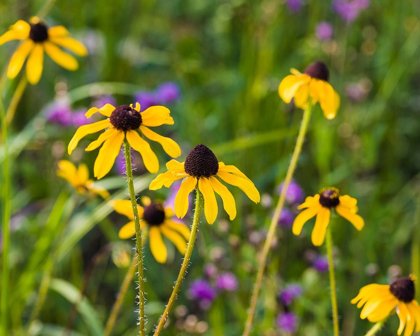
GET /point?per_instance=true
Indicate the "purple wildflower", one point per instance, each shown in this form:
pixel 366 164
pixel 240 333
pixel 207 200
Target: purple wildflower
pixel 227 282
pixel 290 293
pixel 320 264
pixel 79 118
pixel 201 291
pixel 146 99
pixel 210 270
pixel 294 194
pixel 287 322
pixel 103 100
pixel 59 113
pixel 294 5
pixel 350 10
pixel 356 92
pixel 324 31
pixel 286 218
pixel 168 92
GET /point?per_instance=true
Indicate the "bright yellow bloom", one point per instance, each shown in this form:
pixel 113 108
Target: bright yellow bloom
pixel 157 220
pixel 123 122
pixel 36 38
pixel 202 168
pixel 312 84
pixel 320 206
pixel 380 301
pixel 79 178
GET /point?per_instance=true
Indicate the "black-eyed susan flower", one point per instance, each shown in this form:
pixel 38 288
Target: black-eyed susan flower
pixel 79 178
pixel 201 168
pixel 380 301
pixel 320 206
pixel 157 220
pixel 311 85
pixel 124 122
pixel 37 38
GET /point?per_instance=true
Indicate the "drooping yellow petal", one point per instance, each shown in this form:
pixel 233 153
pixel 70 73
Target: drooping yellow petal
pixel 290 84
pixel 369 307
pixel 175 165
pixel 179 227
pixel 107 155
pixel 301 97
pixel 82 173
pixel 169 145
pixel 210 202
pixel 232 169
pixel 309 202
pixel 415 311
pixel 324 93
pixel 105 110
pixel 57 31
pixel 156 116
pixel 157 246
pixel 97 189
pixel 18 58
pixel 175 238
pixel 67 170
pixel 101 139
pixel 411 321
pixel 321 223
pixel 35 64
pixel 353 218
pixel 18 31
pixel 383 311
pixel 124 207
pixel 165 179
pixel 70 44
pixel 348 201
pixel 244 184
pixel 127 231
pixel 150 159
pixel 60 57
pixel 228 201
pixel 85 130
pixel 403 316
pixel 303 217
pixel 182 197
pixel 10 36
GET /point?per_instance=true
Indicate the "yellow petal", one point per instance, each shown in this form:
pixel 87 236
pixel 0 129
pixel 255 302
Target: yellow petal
pixel 60 57
pixel 290 84
pixel 228 201
pixel 182 199
pixel 369 307
pixel 127 231
pixel 146 200
pixel 309 202
pixel 303 217
pixel 18 58
pixel 57 31
pixel 103 137
pixel 324 93
pixel 348 201
pixel 124 207
pixel 67 171
pixel 403 316
pixel 383 311
pixel 179 227
pixel 232 169
pixel 415 312
pixel 70 44
pixel 169 145
pixel 175 238
pixel 210 202
pixel 321 223
pixel 175 165
pixel 82 173
pixel 244 184
pixel 105 110
pixel 157 246
pixel 411 321
pixel 107 155
pixel 165 179
pixel 35 64
pixel 18 31
pixel 150 159
pixel 353 218
pixel 156 116
pixel 137 108
pixel 85 130
pixel 301 97
pixel 97 189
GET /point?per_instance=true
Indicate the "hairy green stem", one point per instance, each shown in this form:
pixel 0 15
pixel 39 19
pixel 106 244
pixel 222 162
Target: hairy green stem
pixel 273 225
pixel 332 282
pixel 377 326
pixel 196 222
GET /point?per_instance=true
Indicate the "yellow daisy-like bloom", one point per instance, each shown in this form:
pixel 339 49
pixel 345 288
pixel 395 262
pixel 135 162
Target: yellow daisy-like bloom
pixel 79 178
pixel 380 301
pixel 157 219
pixel 202 168
pixel 320 206
pixel 312 84
pixel 123 122
pixel 36 38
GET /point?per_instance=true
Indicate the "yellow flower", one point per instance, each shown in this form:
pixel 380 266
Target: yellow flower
pixel 123 122
pixel 157 220
pixel 79 178
pixel 380 301
pixel 36 38
pixel 202 167
pixel 312 84
pixel 320 206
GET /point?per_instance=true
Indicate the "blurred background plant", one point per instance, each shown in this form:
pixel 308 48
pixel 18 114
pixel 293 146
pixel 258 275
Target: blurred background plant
pixel 217 66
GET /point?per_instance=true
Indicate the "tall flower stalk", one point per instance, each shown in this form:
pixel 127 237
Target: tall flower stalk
pixel 332 282
pixel 377 327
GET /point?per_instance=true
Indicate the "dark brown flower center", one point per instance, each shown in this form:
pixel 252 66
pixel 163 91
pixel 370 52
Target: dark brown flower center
pixel 329 197
pixel 201 162
pixel 38 32
pixel 403 289
pixel 125 118
pixel 318 70
pixel 154 214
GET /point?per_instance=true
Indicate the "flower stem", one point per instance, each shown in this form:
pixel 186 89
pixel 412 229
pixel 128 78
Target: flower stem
pixel 415 250
pixel 139 240
pixel 14 102
pixel 276 216
pixel 378 326
pixel 196 221
pixel 120 298
pixel 332 282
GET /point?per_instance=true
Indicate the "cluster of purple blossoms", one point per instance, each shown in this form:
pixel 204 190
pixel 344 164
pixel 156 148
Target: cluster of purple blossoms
pixel 227 282
pixel 165 93
pixel 294 196
pixel 320 264
pixel 349 10
pixel 61 114
pixel 287 322
pixel 294 5
pixel 289 294
pixel 324 31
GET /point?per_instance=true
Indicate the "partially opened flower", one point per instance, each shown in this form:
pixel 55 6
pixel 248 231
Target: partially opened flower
pixel 202 169
pixel 311 87
pixel 79 178
pixel 320 206
pixel 37 38
pixel 157 220
pixel 123 123
pixel 380 301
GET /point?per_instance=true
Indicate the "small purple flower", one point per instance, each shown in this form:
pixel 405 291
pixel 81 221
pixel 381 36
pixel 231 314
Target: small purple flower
pixel 168 92
pixel 324 31
pixel 120 164
pixel 201 291
pixel 79 118
pixel 294 5
pixel 59 113
pixel 287 322
pixel 294 194
pixel 320 264
pixel 146 99
pixel 103 100
pixel 350 10
pixel 356 92
pixel 290 293
pixel 227 282
pixel 286 218
pixel 210 270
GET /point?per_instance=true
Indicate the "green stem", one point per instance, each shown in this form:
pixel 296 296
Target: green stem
pixel 14 102
pixel 332 282
pixel 275 219
pixel 196 221
pixel 378 326
pixel 139 240
pixel 415 250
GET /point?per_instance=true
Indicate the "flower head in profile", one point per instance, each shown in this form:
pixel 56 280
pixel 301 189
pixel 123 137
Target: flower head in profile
pixel 311 87
pixel 79 178
pixel 320 206
pixel 380 301
pixel 37 38
pixel 157 220
pixel 201 168
pixel 124 123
